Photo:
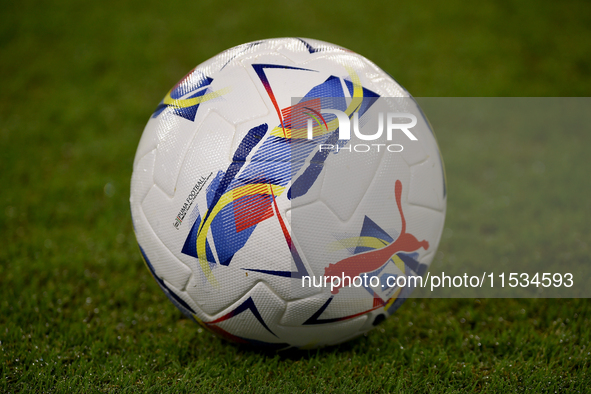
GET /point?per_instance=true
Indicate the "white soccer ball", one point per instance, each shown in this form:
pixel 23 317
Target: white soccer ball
pixel 260 179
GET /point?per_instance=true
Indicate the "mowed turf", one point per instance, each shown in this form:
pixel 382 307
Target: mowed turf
pixel 79 311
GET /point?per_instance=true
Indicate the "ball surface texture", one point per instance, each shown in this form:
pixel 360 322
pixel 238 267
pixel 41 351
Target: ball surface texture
pixel 260 179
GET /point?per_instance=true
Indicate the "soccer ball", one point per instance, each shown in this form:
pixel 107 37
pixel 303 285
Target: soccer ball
pixel 270 210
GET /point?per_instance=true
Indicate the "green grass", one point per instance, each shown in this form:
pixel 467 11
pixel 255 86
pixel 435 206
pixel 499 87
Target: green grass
pixel 78 309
